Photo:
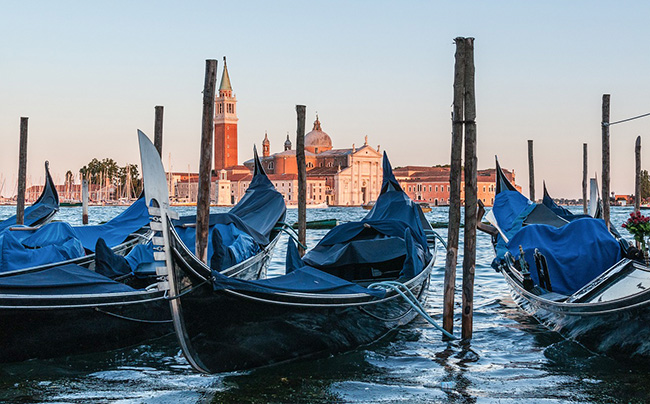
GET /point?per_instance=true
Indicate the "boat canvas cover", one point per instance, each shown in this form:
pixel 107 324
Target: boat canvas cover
pixel 116 230
pixel 53 242
pixel 231 233
pixel 262 206
pixel 69 279
pixel 239 234
pixel 576 253
pixel 304 279
pixel 562 212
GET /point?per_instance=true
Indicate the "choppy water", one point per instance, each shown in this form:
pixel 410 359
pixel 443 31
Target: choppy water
pixel 511 358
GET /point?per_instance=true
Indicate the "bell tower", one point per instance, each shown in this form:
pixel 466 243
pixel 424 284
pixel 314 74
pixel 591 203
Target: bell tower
pixel 225 124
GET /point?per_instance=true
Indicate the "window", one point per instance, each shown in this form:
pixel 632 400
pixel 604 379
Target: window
pixel 430 188
pixel 483 190
pixel 436 188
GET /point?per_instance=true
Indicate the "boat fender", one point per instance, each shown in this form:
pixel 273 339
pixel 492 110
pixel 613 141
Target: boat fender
pixel 542 271
pixel 523 265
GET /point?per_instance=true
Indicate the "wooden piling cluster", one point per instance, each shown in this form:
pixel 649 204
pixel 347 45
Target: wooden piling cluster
pixel 302 177
pixel 205 161
pixel 464 116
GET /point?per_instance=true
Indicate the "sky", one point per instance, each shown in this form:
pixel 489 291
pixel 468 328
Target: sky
pixel 89 74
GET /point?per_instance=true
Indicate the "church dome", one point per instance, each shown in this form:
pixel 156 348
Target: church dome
pixel 317 141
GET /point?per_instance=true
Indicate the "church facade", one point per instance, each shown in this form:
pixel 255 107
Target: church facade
pixel 352 176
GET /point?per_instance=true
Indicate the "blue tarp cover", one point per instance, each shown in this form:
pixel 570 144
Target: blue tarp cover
pixel 116 230
pixel 230 226
pixel 575 253
pixel 53 242
pixel 61 280
pixel 262 206
pixel 304 279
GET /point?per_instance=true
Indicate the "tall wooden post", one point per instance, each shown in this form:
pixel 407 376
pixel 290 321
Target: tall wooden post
pixel 469 239
pixel 584 178
pixel 302 177
pixel 531 171
pixel 455 175
pixel 84 201
pixel 637 178
pixel 158 128
pixel 205 161
pixel 605 174
pixel 22 172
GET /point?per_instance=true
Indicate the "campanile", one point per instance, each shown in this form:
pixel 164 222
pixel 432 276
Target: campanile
pixel 225 124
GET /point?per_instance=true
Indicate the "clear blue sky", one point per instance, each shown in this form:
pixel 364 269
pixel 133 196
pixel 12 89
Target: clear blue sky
pixel 88 74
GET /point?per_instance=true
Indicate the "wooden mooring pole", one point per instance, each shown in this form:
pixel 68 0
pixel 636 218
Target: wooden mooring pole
pixel 469 238
pixel 605 173
pixel 22 172
pixel 302 177
pixel 584 178
pixel 637 177
pixel 205 161
pixel 84 201
pixel 158 128
pixel 455 175
pixel 531 171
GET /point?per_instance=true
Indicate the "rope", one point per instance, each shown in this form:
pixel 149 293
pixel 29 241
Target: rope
pixel 625 120
pixel 411 300
pixel 442 241
pixel 137 320
pixel 285 228
pixel 183 293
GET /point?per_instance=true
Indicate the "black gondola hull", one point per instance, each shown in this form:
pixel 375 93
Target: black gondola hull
pixel 79 326
pixel 244 334
pixel 227 331
pixel 54 326
pixel 618 327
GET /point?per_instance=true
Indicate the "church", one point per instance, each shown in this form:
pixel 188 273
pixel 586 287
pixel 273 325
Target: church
pixel 352 176
pixel 337 177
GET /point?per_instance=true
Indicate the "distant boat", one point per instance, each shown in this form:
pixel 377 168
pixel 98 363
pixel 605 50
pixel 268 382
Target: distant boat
pixel 369 205
pixel 70 203
pixel 319 224
pixel 322 205
pixel 424 206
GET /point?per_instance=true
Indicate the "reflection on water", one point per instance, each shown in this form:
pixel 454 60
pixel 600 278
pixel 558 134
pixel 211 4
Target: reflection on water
pixel 511 358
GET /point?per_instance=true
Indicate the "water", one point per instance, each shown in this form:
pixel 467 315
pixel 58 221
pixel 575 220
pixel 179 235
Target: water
pixel 511 358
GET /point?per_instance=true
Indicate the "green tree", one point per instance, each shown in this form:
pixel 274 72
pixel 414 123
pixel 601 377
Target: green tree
pixel 129 180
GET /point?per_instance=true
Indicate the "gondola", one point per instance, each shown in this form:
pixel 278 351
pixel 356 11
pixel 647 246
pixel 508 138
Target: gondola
pixel 42 210
pixel 339 296
pixel 68 308
pixel 574 276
